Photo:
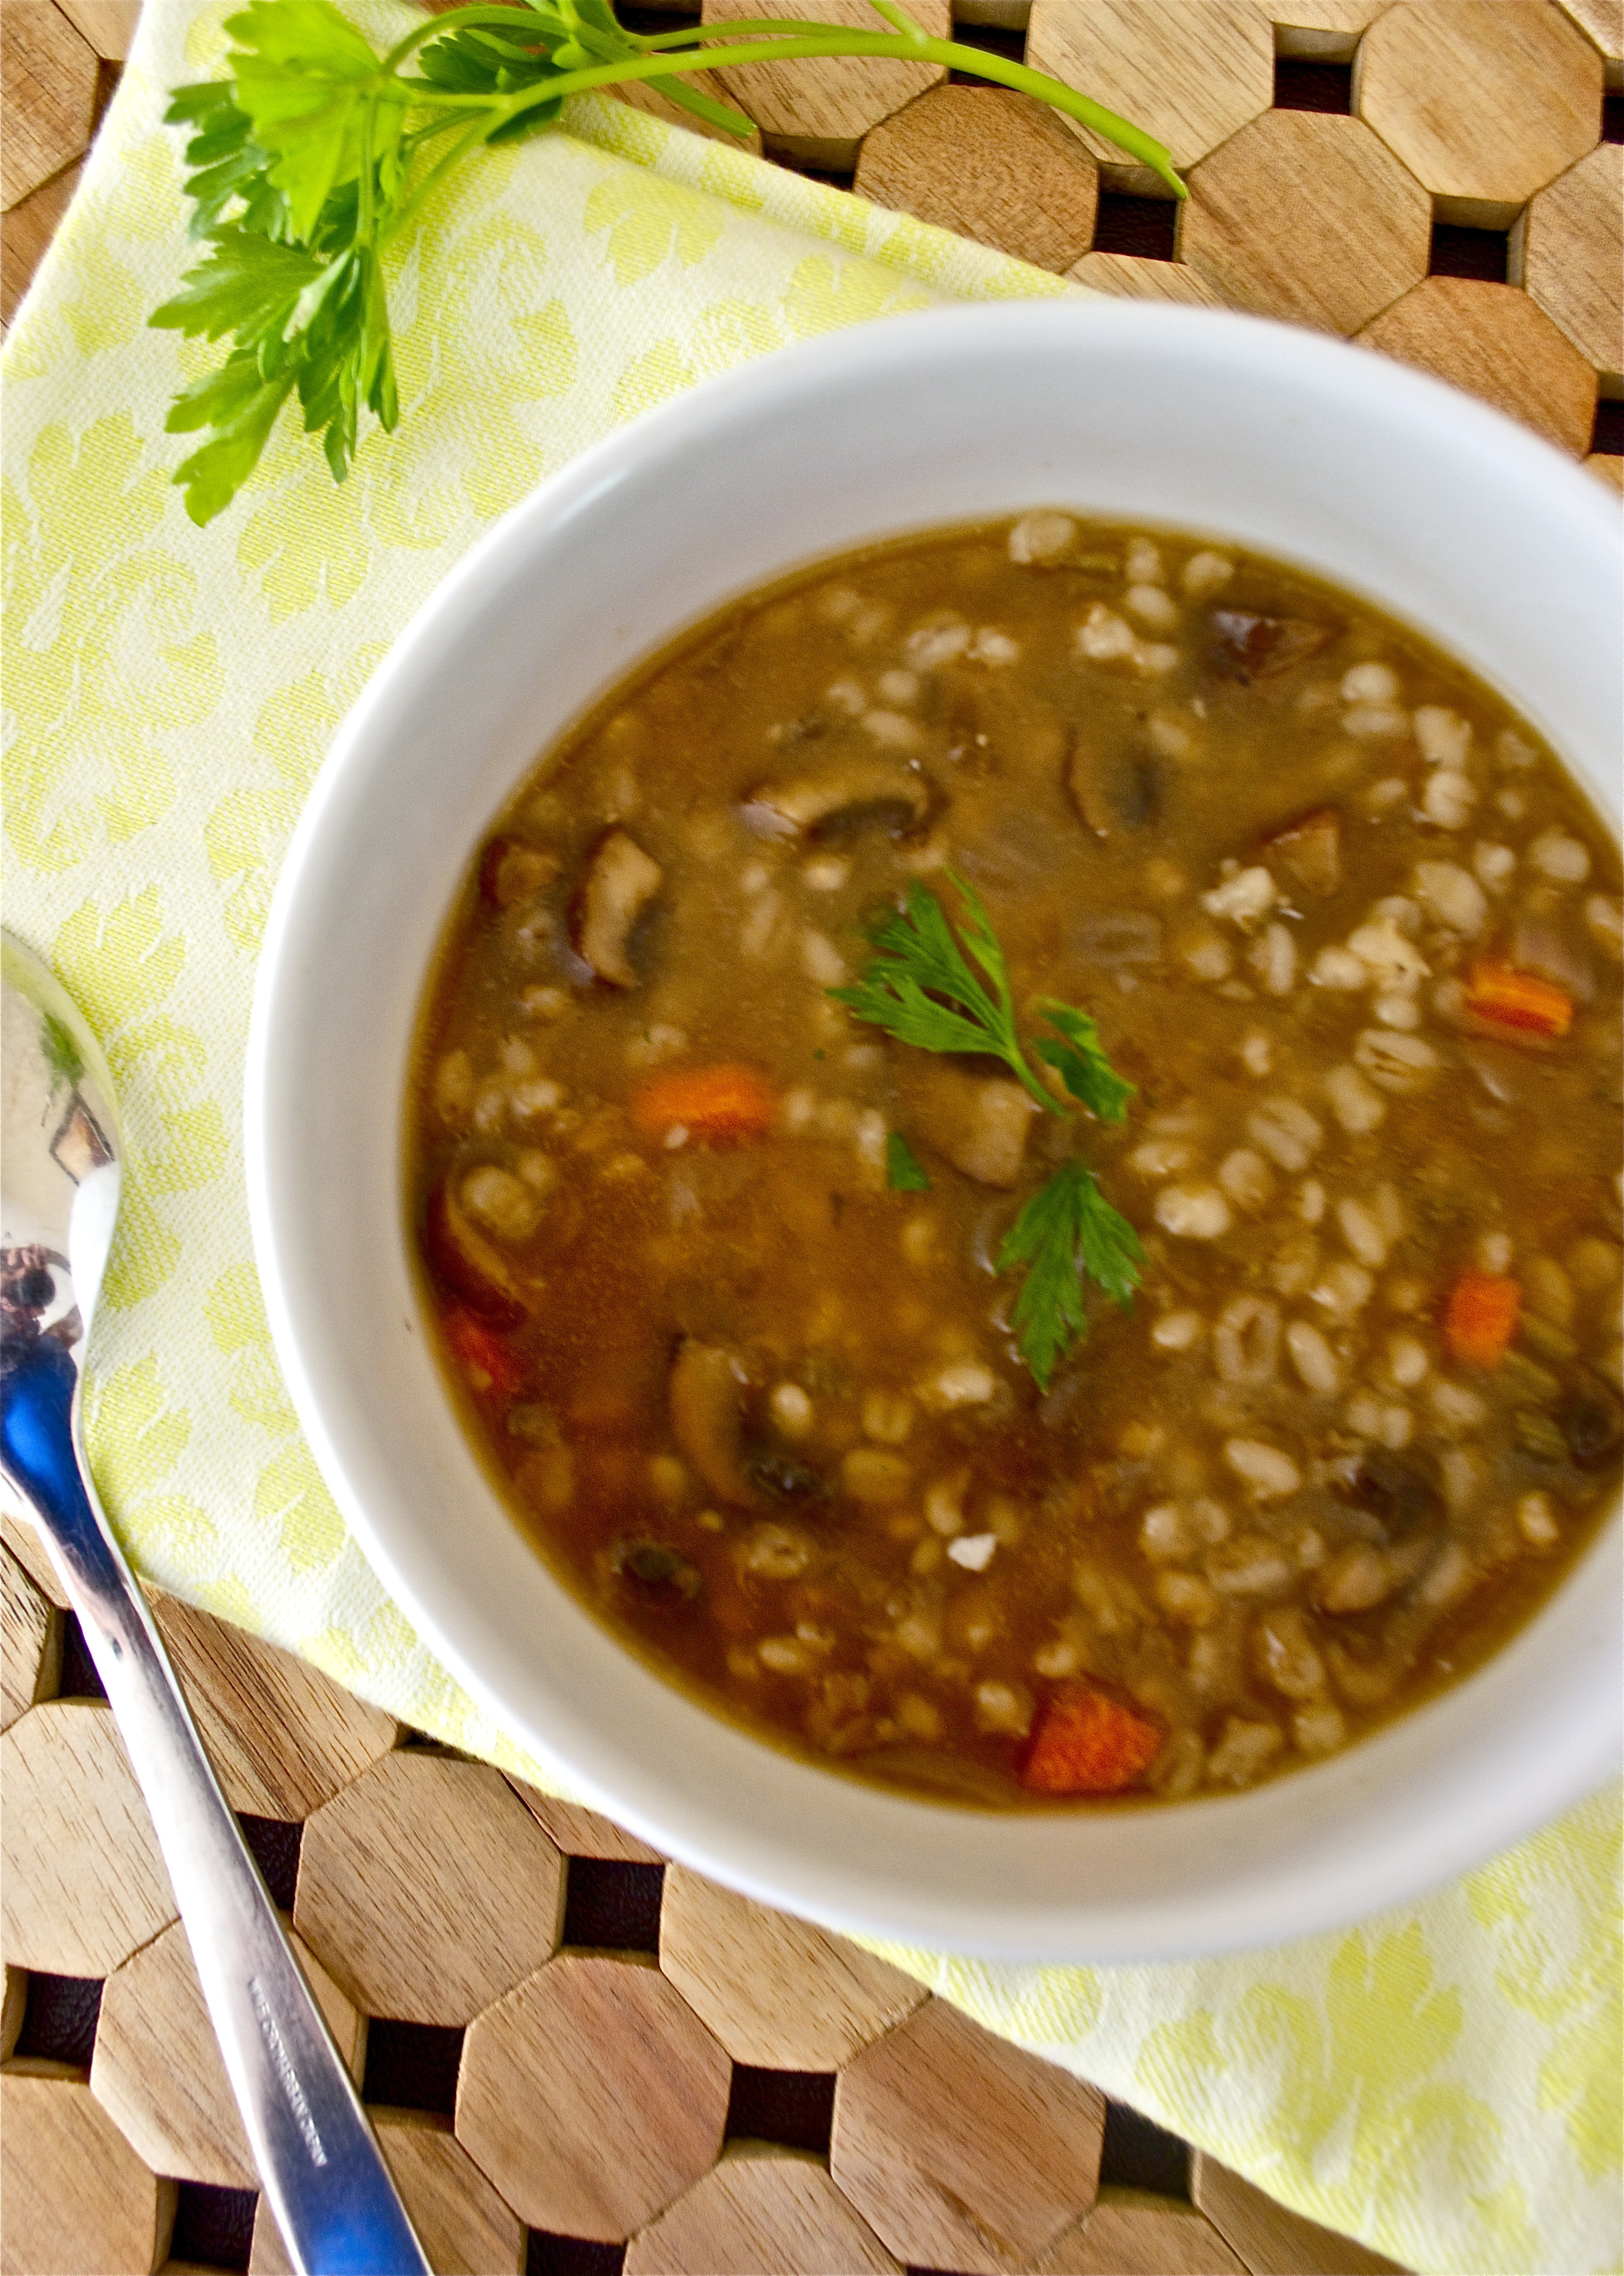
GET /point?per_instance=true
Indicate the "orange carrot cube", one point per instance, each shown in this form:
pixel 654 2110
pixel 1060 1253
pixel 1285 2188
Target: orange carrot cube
pixel 1480 1318
pixel 482 1353
pixel 1088 1742
pixel 722 1105
pixel 1519 999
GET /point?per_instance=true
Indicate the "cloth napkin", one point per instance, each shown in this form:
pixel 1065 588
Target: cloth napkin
pixel 1444 2081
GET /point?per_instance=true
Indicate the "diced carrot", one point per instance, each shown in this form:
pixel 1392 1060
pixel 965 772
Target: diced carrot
pixel 1480 1318
pixel 482 1351
pixel 723 1105
pixel 1088 1742
pixel 1519 999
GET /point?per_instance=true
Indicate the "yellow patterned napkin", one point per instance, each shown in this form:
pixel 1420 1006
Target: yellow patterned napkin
pixel 1443 2083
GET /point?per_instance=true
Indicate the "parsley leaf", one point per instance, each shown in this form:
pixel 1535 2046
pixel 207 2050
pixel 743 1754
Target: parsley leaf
pixel 903 1174
pixel 311 87
pixel 922 988
pixel 300 322
pixel 1068 1229
pixel 241 406
pixel 1082 1064
pixel 249 285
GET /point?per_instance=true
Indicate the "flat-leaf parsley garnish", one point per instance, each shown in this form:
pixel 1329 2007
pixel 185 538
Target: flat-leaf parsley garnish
pixel 316 155
pixel 922 988
pixel 1066 1231
pixel 926 989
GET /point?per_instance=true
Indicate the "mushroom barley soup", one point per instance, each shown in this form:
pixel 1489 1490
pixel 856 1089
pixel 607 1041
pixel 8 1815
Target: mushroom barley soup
pixel 1016 1152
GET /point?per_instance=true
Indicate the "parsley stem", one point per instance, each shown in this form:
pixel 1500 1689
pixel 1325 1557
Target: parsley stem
pixel 367 180
pixel 406 214
pixel 817 40
pixel 415 139
pixel 900 18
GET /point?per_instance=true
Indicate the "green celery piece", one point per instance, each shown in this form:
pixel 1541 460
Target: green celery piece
pixel 903 1172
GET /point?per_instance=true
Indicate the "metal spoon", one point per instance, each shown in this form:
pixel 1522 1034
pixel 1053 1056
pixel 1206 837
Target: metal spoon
pixel 320 2165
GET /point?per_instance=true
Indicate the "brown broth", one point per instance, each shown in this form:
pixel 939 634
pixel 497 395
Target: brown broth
pixel 1268 1507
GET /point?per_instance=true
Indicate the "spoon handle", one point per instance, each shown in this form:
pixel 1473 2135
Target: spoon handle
pixel 319 2162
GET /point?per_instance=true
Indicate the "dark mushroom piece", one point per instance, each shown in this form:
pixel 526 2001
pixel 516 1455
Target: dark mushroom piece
pixel 708 1399
pixel 705 1397
pixel 979 1122
pixel 1592 1421
pixel 785 1476
pixel 1114 787
pixel 1257 647
pixel 1309 850
pixel 657 1571
pixel 619 883
pixel 1398 1491
pixel 851 793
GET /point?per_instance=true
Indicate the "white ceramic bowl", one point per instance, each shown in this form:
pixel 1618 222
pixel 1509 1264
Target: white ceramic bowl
pixel 1429 504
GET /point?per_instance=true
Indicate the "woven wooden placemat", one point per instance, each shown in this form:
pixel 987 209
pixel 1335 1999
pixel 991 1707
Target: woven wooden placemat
pixel 577 2057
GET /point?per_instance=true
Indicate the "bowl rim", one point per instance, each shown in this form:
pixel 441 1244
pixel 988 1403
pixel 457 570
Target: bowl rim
pixel 1315 1899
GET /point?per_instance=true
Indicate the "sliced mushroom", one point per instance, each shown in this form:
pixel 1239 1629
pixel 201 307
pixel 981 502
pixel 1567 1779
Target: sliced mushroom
pixel 1309 850
pixel 1119 936
pixel 620 880
pixel 512 870
pixel 850 792
pixel 470 1263
pixel 706 1400
pixel 1257 647
pixel 1017 853
pixel 1397 1491
pixel 1113 788
pixel 979 1122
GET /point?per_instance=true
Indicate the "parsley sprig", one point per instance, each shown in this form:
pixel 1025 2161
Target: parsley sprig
pixel 922 988
pixel 926 989
pixel 316 155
